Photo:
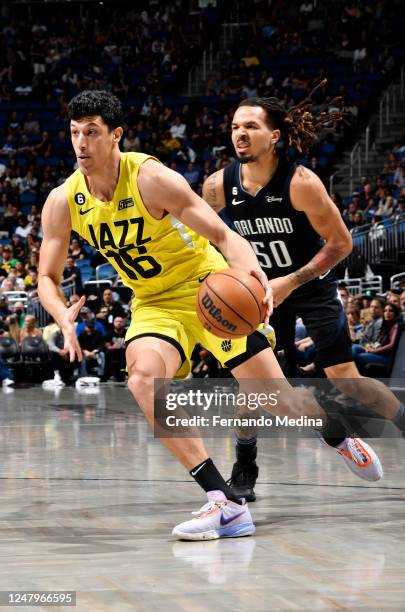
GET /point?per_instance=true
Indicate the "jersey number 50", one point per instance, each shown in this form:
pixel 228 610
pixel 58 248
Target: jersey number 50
pixel 277 250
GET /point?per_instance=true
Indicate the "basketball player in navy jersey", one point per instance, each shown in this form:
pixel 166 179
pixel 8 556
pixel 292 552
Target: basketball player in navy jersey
pixel 298 235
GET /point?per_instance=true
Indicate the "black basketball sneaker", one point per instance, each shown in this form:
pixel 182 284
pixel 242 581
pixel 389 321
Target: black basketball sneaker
pixel 244 474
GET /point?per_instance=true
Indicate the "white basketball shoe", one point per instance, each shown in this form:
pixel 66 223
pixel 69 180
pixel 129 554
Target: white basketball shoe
pixel 360 458
pixel 218 518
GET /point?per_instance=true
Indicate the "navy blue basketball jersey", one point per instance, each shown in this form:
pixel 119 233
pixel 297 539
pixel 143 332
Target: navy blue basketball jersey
pixel 281 236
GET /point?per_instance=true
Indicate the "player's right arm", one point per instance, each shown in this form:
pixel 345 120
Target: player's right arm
pixel 213 190
pixel 56 226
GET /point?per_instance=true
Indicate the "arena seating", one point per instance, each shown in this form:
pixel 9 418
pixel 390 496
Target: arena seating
pixel 144 58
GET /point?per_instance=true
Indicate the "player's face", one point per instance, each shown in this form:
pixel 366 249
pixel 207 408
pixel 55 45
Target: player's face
pixel 252 136
pixel 93 143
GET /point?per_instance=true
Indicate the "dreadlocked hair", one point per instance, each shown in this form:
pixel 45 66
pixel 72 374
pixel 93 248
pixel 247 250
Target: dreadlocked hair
pixel 298 125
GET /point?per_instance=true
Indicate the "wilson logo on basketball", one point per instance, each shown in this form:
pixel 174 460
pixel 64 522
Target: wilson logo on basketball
pixel 216 313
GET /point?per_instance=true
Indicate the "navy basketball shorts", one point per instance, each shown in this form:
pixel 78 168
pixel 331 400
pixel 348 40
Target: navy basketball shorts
pixel 324 318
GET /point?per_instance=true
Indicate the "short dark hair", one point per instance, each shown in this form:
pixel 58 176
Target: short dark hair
pixel 274 109
pixel 102 103
pixel 380 300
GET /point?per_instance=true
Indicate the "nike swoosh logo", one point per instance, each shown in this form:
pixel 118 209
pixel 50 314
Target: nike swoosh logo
pixel 235 202
pixel 83 212
pixel 202 279
pixel 323 275
pixel 225 521
pixel 196 471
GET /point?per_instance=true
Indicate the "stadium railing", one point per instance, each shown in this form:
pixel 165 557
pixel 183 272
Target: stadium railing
pixel 16 296
pixel 395 281
pixel 35 307
pixel 382 241
pixel 358 286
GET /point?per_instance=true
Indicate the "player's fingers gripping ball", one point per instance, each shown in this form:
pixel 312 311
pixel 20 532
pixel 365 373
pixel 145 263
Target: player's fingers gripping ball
pixel 230 303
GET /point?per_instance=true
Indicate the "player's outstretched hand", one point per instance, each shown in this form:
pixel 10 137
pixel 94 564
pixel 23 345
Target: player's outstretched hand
pixel 268 298
pixel 67 325
pixel 282 287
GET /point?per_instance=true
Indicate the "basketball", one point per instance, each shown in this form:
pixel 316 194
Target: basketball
pixel 230 303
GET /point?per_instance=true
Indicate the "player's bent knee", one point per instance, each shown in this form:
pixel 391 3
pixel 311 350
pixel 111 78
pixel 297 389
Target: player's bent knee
pixel 141 385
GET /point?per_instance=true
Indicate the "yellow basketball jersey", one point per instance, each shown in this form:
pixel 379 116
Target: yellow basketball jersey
pixel 150 255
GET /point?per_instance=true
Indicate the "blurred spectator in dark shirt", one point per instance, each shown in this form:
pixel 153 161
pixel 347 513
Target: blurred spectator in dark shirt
pixel 317 168
pixel 4 307
pixel 76 250
pixel 33 241
pixel 115 350
pixel 92 343
pixel 31 125
pixel 18 246
pixel 358 221
pixel 72 272
pixel 60 356
pixel 10 218
pixel 109 309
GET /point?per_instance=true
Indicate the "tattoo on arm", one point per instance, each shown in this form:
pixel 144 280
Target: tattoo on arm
pixel 322 262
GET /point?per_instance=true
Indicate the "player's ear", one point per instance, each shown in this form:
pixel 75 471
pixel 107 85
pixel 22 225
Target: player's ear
pixel 275 137
pixel 117 134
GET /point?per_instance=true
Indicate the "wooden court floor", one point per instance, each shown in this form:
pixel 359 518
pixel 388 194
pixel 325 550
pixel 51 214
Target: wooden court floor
pixel 89 498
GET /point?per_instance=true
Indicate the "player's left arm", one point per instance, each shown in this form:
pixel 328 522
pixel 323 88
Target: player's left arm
pixel 308 195
pixel 163 189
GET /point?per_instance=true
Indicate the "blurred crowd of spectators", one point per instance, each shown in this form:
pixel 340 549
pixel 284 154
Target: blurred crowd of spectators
pixel 143 55
pixel 374 322
pixel 286 47
pixel 379 198
pixel 100 328
pixel 132 50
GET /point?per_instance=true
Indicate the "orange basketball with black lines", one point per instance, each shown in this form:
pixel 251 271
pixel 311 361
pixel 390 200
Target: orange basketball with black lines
pixel 230 303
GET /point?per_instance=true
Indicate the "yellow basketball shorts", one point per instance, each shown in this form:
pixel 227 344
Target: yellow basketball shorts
pixel 172 316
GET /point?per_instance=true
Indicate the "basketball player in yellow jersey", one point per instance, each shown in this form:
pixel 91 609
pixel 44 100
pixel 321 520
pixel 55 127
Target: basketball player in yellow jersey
pixel 155 231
